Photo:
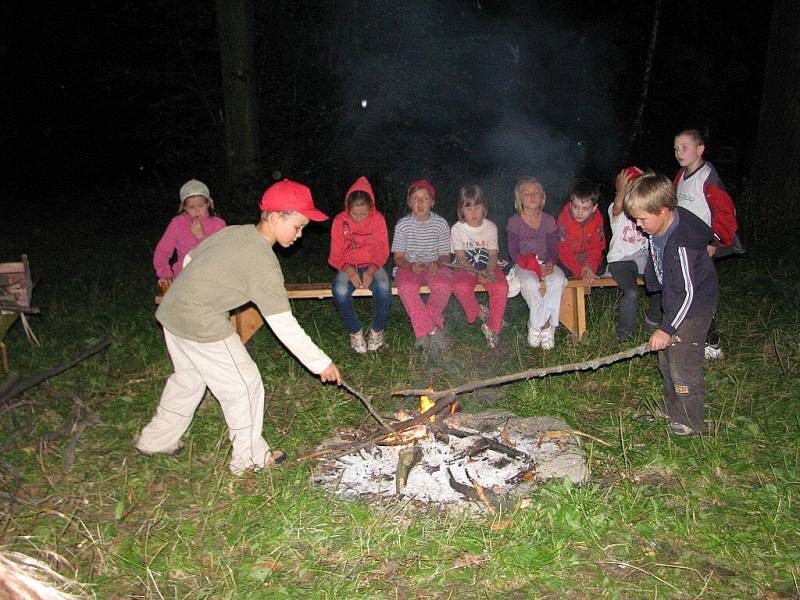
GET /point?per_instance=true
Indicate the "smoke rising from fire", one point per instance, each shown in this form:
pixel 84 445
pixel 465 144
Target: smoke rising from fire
pixel 456 90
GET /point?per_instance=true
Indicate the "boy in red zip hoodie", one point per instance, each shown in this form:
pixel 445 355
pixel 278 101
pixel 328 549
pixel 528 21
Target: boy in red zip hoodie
pixel 581 237
pixel 359 250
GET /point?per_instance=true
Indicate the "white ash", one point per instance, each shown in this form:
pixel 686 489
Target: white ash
pixel 372 471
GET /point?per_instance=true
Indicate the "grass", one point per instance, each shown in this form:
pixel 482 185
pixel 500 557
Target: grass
pixel 711 517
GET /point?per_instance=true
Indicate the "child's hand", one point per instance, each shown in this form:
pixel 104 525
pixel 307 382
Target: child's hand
pixel 331 373
pixel 419 267
pixel 660 339
pixel 197 228
pixel 588 274
pixel 712 250
pixel 355 279
pixel 547 269
pixel 433 267
pixel 164 284
pixel 366 278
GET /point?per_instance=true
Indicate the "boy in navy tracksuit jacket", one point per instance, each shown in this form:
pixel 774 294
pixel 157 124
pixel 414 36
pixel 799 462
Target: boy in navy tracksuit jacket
pixel 682 270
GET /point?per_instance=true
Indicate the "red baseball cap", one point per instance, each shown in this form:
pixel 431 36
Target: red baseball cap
pixel 290 195
pixel 632 172
pixel 425 184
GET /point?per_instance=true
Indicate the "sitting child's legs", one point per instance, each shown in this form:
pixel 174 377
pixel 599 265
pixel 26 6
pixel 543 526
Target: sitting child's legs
pixel 625 274
pixel 555 283
pixel 464 291
pixel 441 286
pixel 498 298
pixel 529 288
pixel 408 285
pixel 343 300
pixel 381 298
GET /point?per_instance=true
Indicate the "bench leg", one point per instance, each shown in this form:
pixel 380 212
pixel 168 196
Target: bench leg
pixel 4 352
pixel 573 310
pixel 247 322
pixel 568 313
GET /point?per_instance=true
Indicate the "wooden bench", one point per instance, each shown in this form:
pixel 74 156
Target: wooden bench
pixel 572 315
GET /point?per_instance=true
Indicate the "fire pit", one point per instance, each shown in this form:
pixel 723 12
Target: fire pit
pixel 489 459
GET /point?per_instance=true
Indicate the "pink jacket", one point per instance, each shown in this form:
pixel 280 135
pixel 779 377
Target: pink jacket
pixel 359 244
pixel 179 237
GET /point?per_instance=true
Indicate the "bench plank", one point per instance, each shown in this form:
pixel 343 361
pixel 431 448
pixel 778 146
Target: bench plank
pixel 572 313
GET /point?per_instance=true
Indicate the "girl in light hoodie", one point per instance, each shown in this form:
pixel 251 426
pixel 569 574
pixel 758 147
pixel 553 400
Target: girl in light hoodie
pixel 359 251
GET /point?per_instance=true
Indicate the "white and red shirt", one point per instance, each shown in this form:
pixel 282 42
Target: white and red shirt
pixel 703 194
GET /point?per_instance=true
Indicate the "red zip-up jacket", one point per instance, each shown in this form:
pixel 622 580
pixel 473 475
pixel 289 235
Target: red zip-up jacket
pixel 363 243
pixel 580 243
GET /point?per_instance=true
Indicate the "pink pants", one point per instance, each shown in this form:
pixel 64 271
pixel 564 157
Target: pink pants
pixel 425 316
pixel 463 289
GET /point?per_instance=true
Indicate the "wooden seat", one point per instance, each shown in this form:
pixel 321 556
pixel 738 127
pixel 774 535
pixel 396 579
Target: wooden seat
pixel 247 320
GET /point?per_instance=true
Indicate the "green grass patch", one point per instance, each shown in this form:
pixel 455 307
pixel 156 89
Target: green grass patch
pixel 714 516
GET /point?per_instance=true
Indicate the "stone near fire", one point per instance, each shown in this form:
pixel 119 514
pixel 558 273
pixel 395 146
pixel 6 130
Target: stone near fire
pixel 550 452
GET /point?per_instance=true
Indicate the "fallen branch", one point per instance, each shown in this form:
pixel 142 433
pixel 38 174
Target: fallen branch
pixel 365 400
pixel 594 363
pixel 9 392
pixel 69 455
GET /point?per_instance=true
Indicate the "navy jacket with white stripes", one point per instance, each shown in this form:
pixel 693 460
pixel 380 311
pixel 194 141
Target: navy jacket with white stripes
pixel 689 283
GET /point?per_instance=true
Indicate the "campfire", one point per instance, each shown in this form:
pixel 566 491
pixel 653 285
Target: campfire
pixel 447 458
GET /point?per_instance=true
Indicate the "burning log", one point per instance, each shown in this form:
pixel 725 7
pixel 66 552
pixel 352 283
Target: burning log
pixel 490 443
pixel 443 403
pixel 408 459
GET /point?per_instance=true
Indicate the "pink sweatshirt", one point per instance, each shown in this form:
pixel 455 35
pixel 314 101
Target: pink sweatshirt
pixel 179 237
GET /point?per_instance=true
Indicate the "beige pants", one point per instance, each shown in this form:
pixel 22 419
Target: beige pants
pixel 227 370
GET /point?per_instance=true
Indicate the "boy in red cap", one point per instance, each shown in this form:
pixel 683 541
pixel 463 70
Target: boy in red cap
pixel 232 268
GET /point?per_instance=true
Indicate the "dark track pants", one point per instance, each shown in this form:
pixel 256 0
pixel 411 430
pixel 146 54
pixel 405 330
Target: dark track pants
pixel 681 365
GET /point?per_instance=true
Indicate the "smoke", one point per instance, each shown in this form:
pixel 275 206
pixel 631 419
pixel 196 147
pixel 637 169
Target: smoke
pixel 434 89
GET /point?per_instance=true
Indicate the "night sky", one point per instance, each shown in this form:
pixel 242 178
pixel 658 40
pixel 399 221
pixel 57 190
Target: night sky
pixel 109 99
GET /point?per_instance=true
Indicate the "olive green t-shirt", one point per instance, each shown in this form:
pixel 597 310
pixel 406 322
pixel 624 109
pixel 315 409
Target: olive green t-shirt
pixel 233 267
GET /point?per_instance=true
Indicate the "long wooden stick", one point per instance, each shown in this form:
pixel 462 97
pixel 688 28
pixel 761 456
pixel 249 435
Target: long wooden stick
pixel 344 449
pixel 365 400
pixel 594 363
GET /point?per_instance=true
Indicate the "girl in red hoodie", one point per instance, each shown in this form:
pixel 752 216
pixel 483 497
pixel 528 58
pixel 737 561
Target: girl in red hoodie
pixel 359 250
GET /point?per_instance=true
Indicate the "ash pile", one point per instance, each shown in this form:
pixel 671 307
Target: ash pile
pixel 489 459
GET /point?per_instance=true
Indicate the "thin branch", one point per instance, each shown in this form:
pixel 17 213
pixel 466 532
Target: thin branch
pixel 594 364
pixel 365 400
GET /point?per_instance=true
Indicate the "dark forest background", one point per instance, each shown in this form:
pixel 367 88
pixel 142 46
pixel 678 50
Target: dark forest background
pixel 113 105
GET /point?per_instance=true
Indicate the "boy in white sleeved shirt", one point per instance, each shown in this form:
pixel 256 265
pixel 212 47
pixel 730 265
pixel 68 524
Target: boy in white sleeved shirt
pixel 231 268
pixel 627 257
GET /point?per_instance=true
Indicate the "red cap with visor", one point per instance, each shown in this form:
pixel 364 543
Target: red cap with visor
pixel 290 195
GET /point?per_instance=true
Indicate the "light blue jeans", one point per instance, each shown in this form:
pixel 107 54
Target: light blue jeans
pixel 381 296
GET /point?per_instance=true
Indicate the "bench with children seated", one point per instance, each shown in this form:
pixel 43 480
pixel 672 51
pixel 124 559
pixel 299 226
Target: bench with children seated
pixel 572 315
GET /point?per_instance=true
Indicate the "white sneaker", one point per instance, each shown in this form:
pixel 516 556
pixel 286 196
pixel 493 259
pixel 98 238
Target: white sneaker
pixel 712 352
pixel 358 342
pixel 492 338
pixel 534 337
pixel 549 338
pixel 681 429
pixel 375 340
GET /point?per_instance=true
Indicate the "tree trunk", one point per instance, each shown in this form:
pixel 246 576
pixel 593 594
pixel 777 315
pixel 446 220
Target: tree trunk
pixel 774 193
pixel 235 25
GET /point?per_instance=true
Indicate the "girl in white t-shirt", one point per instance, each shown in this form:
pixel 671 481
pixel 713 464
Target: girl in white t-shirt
pixel 627 256
pixel 474 243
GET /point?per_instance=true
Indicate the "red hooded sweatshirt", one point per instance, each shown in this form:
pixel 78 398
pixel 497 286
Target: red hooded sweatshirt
pixel 363 243
pixel 580 243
